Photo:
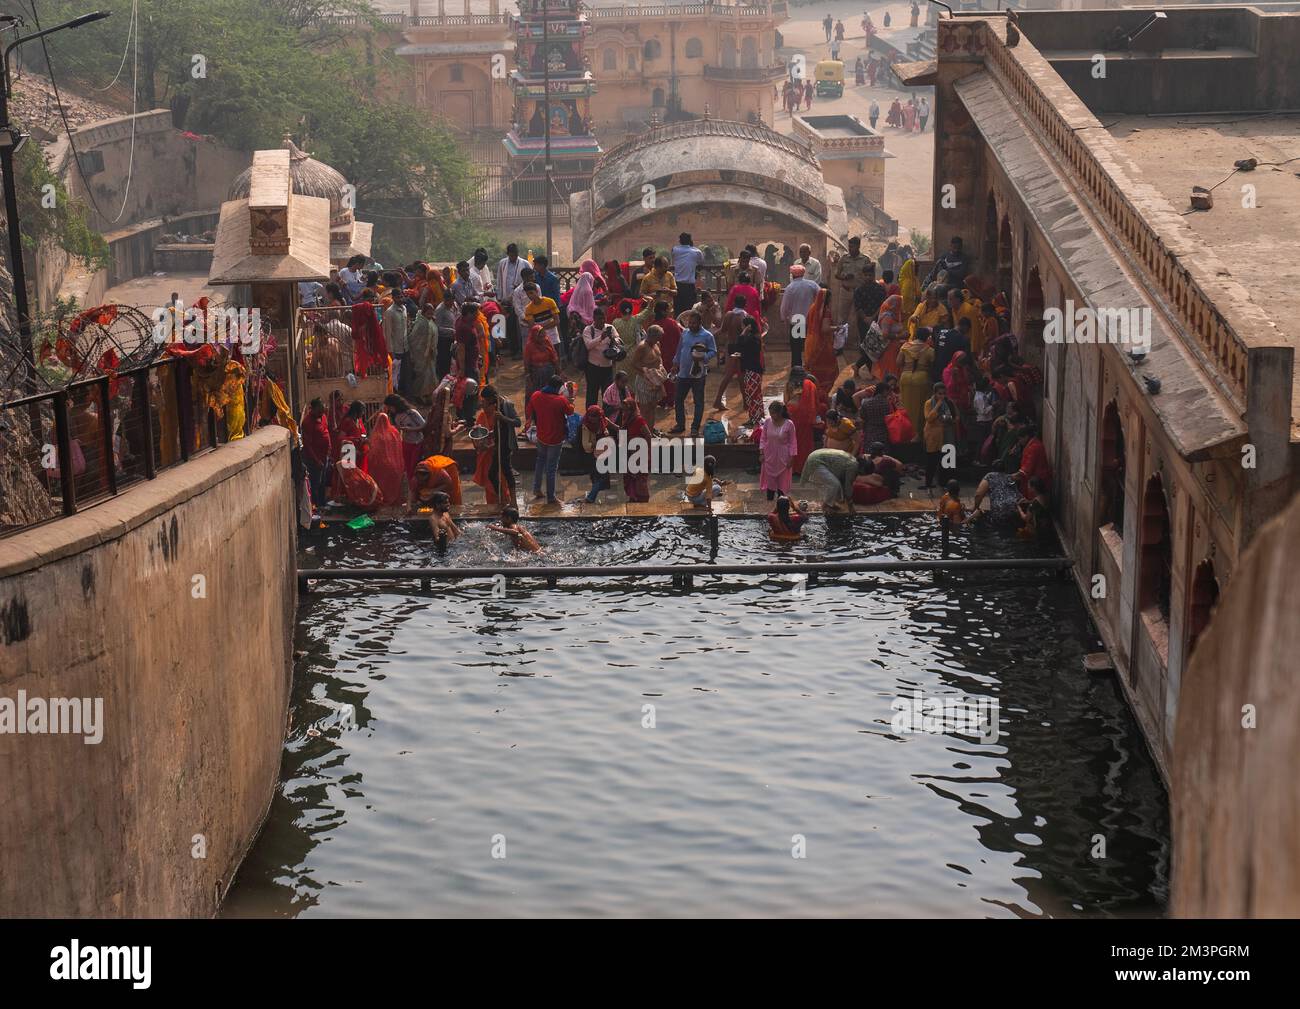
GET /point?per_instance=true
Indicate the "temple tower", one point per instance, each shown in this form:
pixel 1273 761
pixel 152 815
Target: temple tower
pixel 552 74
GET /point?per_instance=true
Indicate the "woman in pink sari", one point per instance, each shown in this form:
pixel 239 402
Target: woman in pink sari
pixel 582 299
pixel 778 444
pixel 385 461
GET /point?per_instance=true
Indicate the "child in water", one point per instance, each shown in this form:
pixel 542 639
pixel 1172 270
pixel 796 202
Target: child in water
pixel 950 505
pixel 444 529
pixel 704 487
pixel 510 527
pixel 1036 512
pixel 785 522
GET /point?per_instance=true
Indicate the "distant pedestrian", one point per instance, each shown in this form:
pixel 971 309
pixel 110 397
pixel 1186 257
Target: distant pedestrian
pixel 807 95
pixel 839 31
pixel 828 23
pixel 923 110
pixel 873 113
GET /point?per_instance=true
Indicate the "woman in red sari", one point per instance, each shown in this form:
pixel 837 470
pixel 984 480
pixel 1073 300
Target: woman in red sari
pixel 819 350
pixel 385 462
pixel 801 404
pixel 369 349
pixel 349 445
pixel 636 486
pixel 616 288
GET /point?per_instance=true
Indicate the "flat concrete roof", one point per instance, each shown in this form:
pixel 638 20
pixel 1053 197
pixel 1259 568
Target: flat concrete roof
pixel 838 126
pixel 1260 247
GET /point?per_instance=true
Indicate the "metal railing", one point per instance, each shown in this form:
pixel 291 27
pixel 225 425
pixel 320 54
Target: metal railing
pixel 92 439
pixel 682 575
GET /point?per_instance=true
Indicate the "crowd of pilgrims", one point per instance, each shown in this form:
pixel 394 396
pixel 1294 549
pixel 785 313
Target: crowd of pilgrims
pixel 937 375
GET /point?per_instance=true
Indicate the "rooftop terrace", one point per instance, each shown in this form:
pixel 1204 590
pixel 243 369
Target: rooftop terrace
pixel 1260 245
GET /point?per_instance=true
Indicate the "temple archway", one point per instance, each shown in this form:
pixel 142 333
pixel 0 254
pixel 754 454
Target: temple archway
pixel 989 247
pixel 1155 576
pixel 1205 594
pixel 1112 470
pixel 1006 256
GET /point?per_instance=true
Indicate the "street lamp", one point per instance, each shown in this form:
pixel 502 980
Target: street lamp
pixel 11 141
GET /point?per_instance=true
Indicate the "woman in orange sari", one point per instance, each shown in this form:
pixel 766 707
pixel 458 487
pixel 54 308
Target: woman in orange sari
pixel 819 351
pixel 384 460
pixel 801 406
pixel 890 321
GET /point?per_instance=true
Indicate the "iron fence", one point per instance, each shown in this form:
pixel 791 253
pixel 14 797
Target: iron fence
pixel 89 441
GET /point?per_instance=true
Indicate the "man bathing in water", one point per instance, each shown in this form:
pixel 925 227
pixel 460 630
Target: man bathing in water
pixel 444 528
pixel 510 527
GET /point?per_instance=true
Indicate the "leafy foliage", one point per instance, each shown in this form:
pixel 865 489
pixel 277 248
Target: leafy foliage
pixel 65 222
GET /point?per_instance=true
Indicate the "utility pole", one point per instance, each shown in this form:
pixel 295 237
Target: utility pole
pixel 546 111
pixel 11 141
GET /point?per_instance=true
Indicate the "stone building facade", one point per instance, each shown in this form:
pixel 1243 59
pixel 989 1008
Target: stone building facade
pixel 1165 464
pixel 645 59
pixel 675 58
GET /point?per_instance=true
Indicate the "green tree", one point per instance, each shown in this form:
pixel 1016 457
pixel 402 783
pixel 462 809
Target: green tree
pixel 47 212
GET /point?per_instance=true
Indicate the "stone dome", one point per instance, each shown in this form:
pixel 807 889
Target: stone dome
pixel 309 178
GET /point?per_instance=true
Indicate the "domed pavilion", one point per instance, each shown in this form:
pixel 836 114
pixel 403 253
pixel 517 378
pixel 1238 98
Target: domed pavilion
pixel 309 177
pixel 727 183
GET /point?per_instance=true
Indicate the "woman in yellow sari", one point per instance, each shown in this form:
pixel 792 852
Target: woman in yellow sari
pixel 819 351
pixel 915 358
pixel 908 288
pixel 931 314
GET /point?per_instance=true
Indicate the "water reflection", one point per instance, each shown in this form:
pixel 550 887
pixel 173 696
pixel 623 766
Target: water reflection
pixel 523 717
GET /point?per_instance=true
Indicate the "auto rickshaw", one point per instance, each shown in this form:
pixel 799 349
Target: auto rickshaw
pixel 829 75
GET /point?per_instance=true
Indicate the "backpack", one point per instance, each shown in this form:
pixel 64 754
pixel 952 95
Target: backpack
pixel 715 432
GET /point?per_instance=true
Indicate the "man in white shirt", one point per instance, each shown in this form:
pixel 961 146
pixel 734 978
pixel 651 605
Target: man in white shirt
pixel 812 268
pixel 507 279
pixel 519 297
pixel 351 278
pixel 395 337
pixel 796 302
pixel 757 267
pixel 480 275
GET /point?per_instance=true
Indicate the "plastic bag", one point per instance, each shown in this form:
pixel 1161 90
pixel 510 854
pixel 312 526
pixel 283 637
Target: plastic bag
pixel 900 428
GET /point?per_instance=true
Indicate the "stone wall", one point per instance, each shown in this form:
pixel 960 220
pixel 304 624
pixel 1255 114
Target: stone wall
pixel 174 605
pixel 172 174
pixel 1236 810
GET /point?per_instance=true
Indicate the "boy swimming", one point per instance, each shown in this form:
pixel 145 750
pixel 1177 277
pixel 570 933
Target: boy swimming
pixel 510 527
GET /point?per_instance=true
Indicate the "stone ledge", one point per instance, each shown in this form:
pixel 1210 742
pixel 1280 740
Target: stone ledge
pixel 141 503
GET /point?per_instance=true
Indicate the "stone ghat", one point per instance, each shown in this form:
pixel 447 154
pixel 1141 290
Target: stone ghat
pixel 747 505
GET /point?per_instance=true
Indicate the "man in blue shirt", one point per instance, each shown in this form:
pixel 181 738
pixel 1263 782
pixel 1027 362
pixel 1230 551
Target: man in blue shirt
pixel 686 260
pixel 548 285
pixel 691 369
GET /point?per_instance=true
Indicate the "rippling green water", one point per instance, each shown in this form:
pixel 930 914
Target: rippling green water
pixel 516 726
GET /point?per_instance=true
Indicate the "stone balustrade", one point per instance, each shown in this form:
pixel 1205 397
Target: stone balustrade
pixel 1222 348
